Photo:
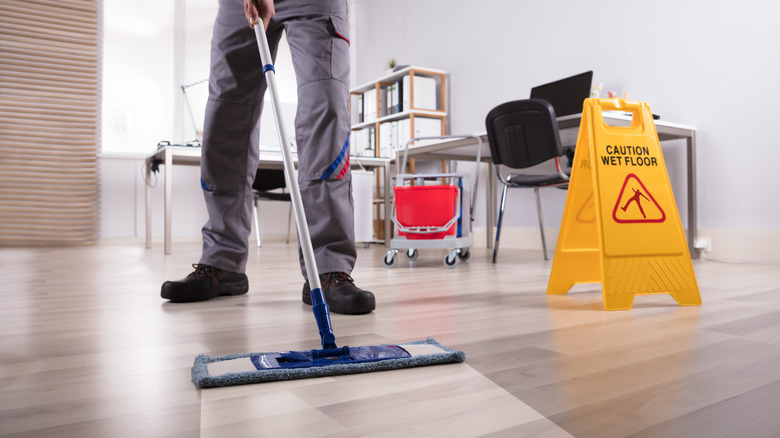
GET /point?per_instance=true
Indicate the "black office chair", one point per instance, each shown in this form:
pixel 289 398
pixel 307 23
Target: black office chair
pixel 524 133
pixel 264 186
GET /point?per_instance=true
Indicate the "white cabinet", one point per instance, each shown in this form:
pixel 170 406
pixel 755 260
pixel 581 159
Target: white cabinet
pixel 362 198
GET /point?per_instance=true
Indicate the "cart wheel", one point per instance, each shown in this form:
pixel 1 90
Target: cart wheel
pixel 389 259
pixel 450 259
pixel 464 254
pixel 411 253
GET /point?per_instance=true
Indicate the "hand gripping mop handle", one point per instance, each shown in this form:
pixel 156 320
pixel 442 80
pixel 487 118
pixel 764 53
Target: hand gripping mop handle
pixel 320 307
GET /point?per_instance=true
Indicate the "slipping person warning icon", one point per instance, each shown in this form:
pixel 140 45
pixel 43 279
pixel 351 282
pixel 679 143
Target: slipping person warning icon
pixel 654 212
pixel 635 198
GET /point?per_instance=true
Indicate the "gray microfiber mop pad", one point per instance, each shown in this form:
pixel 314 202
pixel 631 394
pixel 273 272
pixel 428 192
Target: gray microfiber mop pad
pixel 237 369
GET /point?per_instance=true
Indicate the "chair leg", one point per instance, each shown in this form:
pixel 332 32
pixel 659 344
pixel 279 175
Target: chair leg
pixel 257 222
pixel 289 219
pixel 541 222
pixel 498 225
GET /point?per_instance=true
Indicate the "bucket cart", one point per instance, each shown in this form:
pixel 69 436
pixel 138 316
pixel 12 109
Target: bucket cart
pixel 433 216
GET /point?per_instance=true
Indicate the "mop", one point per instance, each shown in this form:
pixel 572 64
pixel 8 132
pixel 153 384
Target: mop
pixel 330 360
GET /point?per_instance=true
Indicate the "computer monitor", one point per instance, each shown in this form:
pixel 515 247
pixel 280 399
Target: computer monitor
pixel 565 95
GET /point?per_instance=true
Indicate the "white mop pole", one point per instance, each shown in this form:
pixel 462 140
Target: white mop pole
pixel 320 308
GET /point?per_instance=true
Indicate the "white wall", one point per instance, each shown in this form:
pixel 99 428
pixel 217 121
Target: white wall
pixel 711 64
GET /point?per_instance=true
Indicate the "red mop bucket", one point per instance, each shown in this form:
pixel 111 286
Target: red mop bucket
pixel 423 212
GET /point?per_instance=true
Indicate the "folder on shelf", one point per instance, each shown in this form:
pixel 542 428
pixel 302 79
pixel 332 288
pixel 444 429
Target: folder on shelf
pixel 371 150
pixel 385 139
pixel 356 108
pixel 426 127
pixel 369 106
pixel 382 104
pixel 404 133
pixel 391 107
pixel 362 143
pixel 424 93
pixel 398 96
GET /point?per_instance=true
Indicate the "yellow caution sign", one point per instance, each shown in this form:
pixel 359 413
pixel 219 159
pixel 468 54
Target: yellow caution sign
pixel 620 224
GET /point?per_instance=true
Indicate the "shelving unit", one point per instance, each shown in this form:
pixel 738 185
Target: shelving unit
pixel 373 126
pixel 411 108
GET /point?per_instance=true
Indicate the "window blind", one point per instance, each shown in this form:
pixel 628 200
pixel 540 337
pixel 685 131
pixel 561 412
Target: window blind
pixel 49 122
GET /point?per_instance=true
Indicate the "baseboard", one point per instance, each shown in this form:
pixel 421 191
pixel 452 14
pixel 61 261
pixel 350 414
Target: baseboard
pixel 728 245
pixel 743 245
pixel 519 238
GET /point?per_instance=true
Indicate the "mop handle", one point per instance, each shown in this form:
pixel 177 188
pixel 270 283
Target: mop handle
pixel 320 308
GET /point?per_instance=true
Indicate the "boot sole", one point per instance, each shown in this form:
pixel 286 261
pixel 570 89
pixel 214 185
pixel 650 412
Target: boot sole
pixel 186 297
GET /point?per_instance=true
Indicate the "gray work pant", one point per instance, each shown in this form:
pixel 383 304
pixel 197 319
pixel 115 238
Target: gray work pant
pixel 318 38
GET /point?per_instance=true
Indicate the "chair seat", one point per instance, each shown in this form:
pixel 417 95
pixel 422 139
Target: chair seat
pixel 530 180
pixel 272 196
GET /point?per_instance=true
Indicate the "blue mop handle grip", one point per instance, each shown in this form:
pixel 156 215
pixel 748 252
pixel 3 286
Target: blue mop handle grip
pixel 322 315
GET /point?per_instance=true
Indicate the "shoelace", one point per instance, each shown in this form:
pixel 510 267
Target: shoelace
pixel 336 278
pixel 202 270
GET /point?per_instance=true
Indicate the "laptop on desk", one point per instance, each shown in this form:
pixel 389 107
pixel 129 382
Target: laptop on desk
pixel 565 95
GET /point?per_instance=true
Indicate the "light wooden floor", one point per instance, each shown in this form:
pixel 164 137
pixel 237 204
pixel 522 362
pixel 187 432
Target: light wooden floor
pixel 88 349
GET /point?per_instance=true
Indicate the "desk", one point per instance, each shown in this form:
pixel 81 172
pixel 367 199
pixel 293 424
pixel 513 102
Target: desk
pixel 185 155
pixel 465 150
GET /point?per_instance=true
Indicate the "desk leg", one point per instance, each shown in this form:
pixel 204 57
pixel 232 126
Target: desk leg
pixel 148 203
pixel 490 205
pixel 692 228
pixel 387 190
pixel 168 199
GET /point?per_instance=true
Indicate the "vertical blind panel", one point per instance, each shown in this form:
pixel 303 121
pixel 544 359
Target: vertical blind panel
pixel 49 112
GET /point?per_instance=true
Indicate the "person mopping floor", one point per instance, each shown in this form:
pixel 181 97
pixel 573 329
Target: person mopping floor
pixel 318 38
pixel 331 359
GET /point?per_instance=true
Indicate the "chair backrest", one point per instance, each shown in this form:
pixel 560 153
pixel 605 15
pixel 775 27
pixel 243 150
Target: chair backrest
pixel 269 179
pixel 523 133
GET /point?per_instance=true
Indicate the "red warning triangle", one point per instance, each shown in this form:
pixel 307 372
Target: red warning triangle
pixel 636 205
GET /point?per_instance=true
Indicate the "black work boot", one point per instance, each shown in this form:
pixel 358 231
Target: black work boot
pixel 205 283
pixel 341 294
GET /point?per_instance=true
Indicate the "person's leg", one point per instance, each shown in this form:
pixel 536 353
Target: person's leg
pixel 229 157
pixel 231 136
pixel 322 122
pixel 318 38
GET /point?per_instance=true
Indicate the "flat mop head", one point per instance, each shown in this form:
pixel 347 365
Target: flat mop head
pixel 242 369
